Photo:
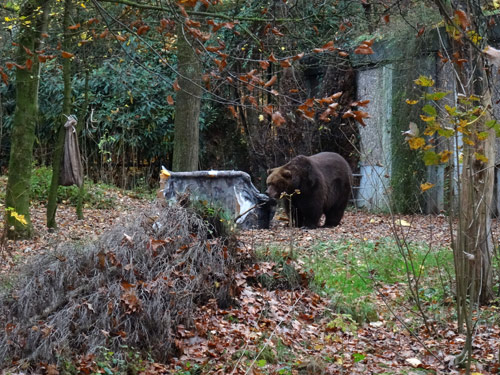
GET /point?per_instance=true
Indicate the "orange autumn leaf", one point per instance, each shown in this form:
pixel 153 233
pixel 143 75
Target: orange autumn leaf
pixel 176 86
pixel 170 100
pixel 74 27
pixel 67 55
pixel 142 30
pixel 28 51
pixel 363 50
pixel 189 3
pixel 277 118
pixel 5 78
pixel 233 111
pixel 268 109
pixel 276 32
pixel 264 64
pixel 462 18
pixel 357 115
pixel 329 46
pixel 361 103
pixel 271 81
pixel 285 64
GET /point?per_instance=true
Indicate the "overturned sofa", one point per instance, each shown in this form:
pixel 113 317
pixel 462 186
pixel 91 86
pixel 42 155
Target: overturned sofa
pixel 231 190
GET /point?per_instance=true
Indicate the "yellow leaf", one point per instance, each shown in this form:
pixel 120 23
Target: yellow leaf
pixel 411 102
pixel 403 223
pixel 427 118
pixel 18 217
pixel 445 156
pixel 424 81
pixel 469 141
pixel 481 157
pixel 426 186
pixel 429 130
pixel 416 143
pixel 164 174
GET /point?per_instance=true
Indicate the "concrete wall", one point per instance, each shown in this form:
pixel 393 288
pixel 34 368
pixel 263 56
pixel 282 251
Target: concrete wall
pixel 378 78
pixel 375 139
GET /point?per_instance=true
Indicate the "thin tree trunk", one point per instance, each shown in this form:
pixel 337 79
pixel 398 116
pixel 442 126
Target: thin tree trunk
pixel 66 110
pixel 25 117
pixel 187 106
pixel 83 116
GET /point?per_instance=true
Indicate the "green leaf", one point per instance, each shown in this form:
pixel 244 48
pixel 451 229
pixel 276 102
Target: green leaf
pixel 431 158
pixel 357 357
pixel 446 132
pixel 424 81
pixel 436 96
pixel 483 135
pixel 495 125
pixel 261 362
pixel 430 110
pixel 452 111
pixel 492 123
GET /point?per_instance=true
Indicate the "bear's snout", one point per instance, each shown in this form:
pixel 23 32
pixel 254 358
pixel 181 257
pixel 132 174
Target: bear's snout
pixel 272 192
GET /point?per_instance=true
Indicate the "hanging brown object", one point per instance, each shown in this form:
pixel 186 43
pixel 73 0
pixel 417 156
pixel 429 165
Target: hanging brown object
pixel 71 168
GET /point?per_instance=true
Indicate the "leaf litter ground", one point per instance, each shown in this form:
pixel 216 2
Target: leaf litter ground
pixel 295 331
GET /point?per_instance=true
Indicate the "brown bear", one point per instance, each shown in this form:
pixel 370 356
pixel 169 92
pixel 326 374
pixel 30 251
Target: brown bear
pixel 312 186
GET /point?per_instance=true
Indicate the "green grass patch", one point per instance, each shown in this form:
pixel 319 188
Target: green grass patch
pixel 348 272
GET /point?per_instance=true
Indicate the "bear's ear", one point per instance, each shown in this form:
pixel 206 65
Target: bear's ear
pixel 287 173
pixel 270 170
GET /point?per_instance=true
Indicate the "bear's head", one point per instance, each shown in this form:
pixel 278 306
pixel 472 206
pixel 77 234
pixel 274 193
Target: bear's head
pixel 294 175
pixel 279 180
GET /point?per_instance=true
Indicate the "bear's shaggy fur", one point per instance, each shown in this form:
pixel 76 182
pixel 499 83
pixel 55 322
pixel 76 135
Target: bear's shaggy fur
pixel 312 186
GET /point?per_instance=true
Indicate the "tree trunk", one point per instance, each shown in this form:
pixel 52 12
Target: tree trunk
pixel 477 181
pixel 187 106
pixel 81 123
pixel 473 242
pixel 25 117
pixel 66 110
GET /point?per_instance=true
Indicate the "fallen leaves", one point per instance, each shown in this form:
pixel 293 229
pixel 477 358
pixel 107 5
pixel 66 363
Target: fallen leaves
pixel 300 322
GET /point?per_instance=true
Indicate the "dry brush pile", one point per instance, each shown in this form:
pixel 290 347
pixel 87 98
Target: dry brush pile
pixel 131 287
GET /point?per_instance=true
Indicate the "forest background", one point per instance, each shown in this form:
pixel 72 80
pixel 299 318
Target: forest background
pixel 237 85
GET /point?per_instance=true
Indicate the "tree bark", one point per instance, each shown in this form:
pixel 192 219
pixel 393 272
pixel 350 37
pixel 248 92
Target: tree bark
pixel 66 110
pixel 25 117
pixel 187 106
